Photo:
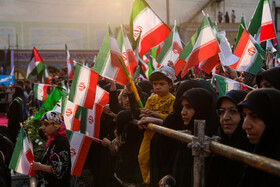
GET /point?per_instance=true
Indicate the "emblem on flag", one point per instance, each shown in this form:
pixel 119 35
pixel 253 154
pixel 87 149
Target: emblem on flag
pixel 137 31
pixel 251 51
pixel 82 86
pixel 68 112
pixel 73 152
pixel 124 56
pixel 90 119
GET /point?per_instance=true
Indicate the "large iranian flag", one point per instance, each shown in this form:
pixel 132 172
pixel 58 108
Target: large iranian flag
pixel 22 155
pixel 127 52
pixel 144 20
pixel 171 50
pixel 107 63
pixel 40 91
pixel 79 147
pixel 250 53
pixel 202 46
pixel 225 85
pixel 69 63
pixel 83 88
pixel 36 65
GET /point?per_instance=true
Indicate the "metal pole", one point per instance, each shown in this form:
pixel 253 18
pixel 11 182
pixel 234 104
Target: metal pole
pixel 167 13
pixel 198 153
pixel 260 162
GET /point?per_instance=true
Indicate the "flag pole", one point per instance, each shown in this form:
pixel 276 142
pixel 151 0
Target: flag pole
pixel 133 87
pixel 234 80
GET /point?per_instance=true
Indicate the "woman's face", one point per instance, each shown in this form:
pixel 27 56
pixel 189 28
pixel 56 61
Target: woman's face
pixel 187 112
pixel 229 116
pixel 124 100
pixel 48 129
pixel 253 125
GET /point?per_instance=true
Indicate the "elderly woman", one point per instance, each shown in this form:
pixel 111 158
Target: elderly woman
pixel 55 166
pixel 261 122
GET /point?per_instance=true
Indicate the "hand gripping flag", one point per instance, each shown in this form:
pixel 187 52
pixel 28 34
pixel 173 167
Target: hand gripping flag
pixel 144 20
pixel 22 155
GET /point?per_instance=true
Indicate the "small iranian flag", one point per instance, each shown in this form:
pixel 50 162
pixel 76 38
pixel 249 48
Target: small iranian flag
pixel 69 63
pixel 171 50
pixel 144 20
pixel 225 85
pixel 45 76
pixel 250 53
pixel 22 155
pixel 202 46
pixel 240 30
pixel 127 52
pixel 102 97
pixel 40 91
pixel 107 63
pixel 36 66
pixel 79 147
pixel 83 87
pixel 71 122
pixel 267 28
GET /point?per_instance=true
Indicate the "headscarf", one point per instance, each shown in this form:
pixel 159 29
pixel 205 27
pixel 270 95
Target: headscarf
pixel 18 92
pixel 272 75
pixel 56 119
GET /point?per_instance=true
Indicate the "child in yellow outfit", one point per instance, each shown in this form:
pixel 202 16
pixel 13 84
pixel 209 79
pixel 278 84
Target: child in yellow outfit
pixel 158 105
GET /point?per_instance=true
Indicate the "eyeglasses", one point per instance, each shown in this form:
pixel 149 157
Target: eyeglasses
pixel 231 111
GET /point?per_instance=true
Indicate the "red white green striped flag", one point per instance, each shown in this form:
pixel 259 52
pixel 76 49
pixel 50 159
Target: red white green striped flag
pixel 127 52
pixel 36 66
pixel 225 85
pixel 83 87
pixel 240 30
pixel 267 28
pixel 202 46
pixel 144 20
pixel 45 76
pixel 22 155
pixel 40 91
pixel 79 147
pixel 69 63
pixel 70 121
pixel 171 50
pixel 107 63
pixel 250 53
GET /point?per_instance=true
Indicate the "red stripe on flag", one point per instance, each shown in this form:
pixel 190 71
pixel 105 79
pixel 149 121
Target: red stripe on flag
pixel 200 54
pixel 91 91
pixel 30 158
pixel 114 59
pixel 240 48
pixel 267 32
pixel 120 76
pixel 179 64
pixel 210 63
pixel 82 155
pixel 154 38
pixel 104 99
pixel 98 112
pixel 76 123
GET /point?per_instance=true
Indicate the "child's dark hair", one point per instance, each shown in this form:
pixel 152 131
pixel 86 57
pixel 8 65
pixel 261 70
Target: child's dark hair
pixel 159 76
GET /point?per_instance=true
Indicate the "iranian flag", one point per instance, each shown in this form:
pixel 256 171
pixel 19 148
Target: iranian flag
pixel 79 147
pixel 171 50
pixel 45 76
pixel 127 52
pixel 144 20
pixel 36 66
pixel 267 28
pixel 69 63
pixel 40 91
pixel 262 21
pixel 202 46
pixel 240 30
pixel 70 120
pixel 225 85
pixel 107 63
pixel 83 87
pixel 102 97
pixel 250 53
pixel 22 155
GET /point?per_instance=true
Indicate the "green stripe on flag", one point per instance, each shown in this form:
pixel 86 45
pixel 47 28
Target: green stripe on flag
pixel 222 85
pixel 256 66
pixel 69 135
pixel 240 31
pixel 17 150
pixel 189 47
pixel 256 20
pixel 75 82
pixel 81 113
pixel 166 47
pixel 137 8
pixel 35 91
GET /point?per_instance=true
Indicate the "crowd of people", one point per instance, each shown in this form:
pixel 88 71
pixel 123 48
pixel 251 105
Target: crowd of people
pixel 131 155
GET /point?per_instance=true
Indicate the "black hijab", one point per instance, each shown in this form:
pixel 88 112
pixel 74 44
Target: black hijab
pixel 272 75
pixel 265 103
pixel 18 92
